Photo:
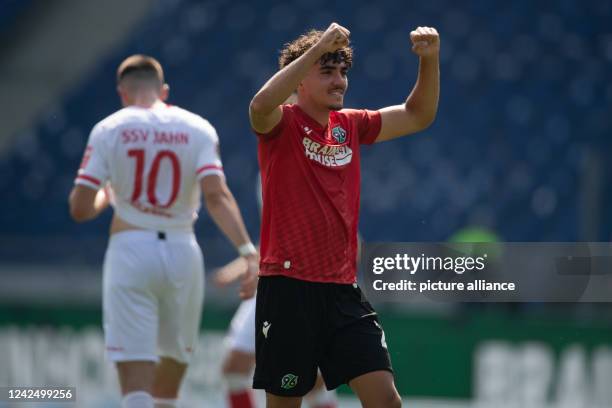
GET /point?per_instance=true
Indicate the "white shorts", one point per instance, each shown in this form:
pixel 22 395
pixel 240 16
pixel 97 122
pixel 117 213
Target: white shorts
pixel 152 296
pixel 241 335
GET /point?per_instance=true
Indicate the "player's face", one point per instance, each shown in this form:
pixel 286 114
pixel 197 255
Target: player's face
pixel 326 84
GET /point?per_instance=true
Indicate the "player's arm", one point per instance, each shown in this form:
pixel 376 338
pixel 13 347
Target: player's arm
pixel 224 211
pixel 419 110
pixel 87 203
pixel 89 197
pixel 231 272
pixel 264 110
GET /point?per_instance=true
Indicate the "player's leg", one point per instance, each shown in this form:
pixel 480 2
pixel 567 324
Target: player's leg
pixel 320 397
pixel 135 381
pixel 130 315
pixel 169 374
pixel 239 362
pixel 238 376
pixel 357 351
pixel 376 390
pixel 287 322
pixel 275 401
pixel 180 307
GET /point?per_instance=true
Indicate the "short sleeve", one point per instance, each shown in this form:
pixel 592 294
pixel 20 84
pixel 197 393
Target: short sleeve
pixel 94 170
pixel 278 129
pixel 209 158
pixel 368 124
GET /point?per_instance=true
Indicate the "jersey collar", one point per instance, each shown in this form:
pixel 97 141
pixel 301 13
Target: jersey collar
pixel 311 122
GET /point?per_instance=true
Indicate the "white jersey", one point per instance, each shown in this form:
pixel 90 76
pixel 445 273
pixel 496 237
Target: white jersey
pixel 154 159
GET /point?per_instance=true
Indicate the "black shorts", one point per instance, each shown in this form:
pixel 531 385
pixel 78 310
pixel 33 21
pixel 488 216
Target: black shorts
pixel 303 325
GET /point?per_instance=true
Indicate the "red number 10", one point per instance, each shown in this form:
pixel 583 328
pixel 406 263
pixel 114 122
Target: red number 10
pixel 139 155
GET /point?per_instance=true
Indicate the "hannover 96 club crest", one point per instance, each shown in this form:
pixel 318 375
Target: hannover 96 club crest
pixel 339 134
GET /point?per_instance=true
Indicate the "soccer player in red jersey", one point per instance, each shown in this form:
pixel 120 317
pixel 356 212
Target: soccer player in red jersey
pixel 310 312
pixel 237 366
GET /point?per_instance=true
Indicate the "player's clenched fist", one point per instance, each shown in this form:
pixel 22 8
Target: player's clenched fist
pixel 334 38
pixel 425 41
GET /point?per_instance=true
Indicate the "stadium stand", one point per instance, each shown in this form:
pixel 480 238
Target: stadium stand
pixel 519 148
pixel 525 91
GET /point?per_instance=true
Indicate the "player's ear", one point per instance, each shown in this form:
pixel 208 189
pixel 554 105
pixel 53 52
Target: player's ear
pixel 165 91
pixel 122 95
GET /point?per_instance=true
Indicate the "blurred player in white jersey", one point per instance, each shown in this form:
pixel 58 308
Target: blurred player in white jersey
pixel 156 159
pixel 240 359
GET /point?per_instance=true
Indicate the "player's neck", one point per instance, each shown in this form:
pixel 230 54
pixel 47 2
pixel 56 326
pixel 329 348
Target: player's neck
pixel 319 114
pixel 145 100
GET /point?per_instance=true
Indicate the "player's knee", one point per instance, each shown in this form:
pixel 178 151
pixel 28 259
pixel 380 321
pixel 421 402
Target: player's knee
pixel 237 382
pixel 166 386
pixel 236 370
pixel 228 366
pixel 395 400
pixel 136 376
pixel 237 363
pixel 168 377
pixel 165 390
pixel 390 399
pixel 132 383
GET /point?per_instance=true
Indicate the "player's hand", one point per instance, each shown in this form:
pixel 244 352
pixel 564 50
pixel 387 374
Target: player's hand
pixel 425 41
pixel 248 286
pixel 334 38
pixel 231 272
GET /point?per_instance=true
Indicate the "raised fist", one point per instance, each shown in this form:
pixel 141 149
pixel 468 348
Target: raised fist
pixel 334 38
pixel 425 41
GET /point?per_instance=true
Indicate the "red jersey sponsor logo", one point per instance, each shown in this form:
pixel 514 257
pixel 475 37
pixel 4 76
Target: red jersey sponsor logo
pixel 327 155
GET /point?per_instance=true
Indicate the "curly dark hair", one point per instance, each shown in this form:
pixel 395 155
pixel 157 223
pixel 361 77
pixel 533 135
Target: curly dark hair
pixel 294 50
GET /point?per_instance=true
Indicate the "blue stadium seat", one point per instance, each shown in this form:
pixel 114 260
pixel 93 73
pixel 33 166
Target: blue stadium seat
pixel 524 88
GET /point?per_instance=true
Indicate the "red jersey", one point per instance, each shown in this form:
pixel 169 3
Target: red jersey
pixel 310 178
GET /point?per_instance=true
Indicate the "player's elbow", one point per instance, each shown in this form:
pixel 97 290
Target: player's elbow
pixel 261 105
pixel 78 214
pixel 422 118
pixel 256 107
pixel 215 191
pixel 427 120
pixel 216 198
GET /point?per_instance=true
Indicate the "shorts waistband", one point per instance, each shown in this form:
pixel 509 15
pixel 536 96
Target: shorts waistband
pixel 152 235
pixel 306 282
